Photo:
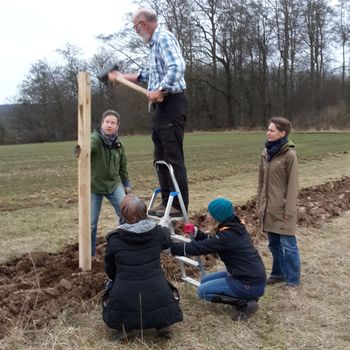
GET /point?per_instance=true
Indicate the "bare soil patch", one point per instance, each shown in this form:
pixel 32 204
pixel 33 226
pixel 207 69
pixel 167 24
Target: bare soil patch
pixel 36 287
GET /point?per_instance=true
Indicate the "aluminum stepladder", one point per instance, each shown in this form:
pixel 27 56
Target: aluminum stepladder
pixel 166 220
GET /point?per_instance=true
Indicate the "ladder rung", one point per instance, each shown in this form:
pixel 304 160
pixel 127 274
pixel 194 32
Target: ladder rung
pixel 187 261
pixel 180 238
pixel 157 218
pixel 176 218
pixel 191 281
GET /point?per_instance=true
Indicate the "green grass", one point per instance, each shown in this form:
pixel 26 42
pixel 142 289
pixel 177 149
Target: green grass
pixel 35 174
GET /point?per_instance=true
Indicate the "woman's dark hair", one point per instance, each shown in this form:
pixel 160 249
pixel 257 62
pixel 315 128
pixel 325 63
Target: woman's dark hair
pixel 282 124
pixel 133 209
pixel 110 112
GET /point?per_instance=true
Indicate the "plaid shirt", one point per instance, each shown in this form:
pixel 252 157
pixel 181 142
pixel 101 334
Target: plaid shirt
pixel 166 64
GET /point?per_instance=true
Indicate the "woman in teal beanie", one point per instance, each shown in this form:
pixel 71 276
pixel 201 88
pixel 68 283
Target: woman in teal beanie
pixel 243 282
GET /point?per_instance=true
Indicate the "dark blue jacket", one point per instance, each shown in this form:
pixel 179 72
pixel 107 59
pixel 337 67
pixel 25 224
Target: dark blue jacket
pixel 234 246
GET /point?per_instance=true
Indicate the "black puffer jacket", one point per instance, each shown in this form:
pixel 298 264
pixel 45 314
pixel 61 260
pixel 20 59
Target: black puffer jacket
pixel 141 296
pixel 233 244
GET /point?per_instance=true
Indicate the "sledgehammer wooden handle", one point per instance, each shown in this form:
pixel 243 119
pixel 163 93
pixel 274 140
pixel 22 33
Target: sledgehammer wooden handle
pixel 131 85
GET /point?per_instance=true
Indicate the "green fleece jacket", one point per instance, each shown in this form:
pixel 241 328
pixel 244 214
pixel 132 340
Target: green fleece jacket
pixel 108 164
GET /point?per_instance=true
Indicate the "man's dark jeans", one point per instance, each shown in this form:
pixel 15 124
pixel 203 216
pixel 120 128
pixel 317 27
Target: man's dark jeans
pixel 168 122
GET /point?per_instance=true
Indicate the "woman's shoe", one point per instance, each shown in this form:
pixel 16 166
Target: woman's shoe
pixel 245 312
pixel 274 280
pixel 122 335
pixel 164 332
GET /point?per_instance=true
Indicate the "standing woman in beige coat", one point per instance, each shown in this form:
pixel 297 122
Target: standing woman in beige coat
pixel 277 202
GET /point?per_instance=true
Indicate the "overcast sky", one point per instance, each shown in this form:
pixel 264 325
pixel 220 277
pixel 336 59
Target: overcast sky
pixel 31 30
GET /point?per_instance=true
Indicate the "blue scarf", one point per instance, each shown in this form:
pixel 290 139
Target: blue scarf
pixel 273 147
pixel 110 139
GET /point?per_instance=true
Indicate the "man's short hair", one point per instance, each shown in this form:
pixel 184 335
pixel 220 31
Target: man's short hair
pixel 146 14
pixel 110 112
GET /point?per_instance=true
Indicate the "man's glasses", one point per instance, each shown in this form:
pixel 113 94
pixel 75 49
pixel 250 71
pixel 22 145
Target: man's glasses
pixel 137 24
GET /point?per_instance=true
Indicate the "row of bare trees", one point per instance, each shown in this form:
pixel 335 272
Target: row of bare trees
pixel 263 57
pixel 246 61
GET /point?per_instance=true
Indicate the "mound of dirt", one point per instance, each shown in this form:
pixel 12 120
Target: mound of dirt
pixel 315 205
pixel 36 287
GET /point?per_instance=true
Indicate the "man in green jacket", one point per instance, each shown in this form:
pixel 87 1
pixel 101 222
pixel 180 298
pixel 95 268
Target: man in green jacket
pixel 109 174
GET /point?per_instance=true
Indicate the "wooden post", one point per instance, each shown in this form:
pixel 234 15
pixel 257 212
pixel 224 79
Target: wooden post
pixel 84 170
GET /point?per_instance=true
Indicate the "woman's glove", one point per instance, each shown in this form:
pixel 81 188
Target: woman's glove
pixel 190 229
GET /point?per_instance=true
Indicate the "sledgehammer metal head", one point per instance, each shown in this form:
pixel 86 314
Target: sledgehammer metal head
pixel 103 76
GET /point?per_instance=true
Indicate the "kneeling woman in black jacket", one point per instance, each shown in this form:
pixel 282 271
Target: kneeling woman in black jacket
pixel 244 280
pixel 140 296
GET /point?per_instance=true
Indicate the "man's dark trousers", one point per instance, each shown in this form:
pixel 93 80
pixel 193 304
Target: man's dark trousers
pixel 168 122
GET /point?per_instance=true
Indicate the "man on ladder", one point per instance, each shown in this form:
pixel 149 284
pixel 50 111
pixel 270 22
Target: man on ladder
pixel 166 86
pixel 168 106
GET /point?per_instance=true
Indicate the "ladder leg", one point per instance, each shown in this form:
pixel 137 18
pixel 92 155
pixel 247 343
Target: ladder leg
pixel 153 199
pixel 176 187
pixel 166 220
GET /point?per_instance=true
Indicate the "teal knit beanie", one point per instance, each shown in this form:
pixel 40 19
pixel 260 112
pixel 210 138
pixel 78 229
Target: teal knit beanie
pixel 221 209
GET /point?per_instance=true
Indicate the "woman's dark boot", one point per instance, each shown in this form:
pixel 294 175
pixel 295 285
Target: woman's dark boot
pixel 243 313
pixel 164 332
pixel 122 336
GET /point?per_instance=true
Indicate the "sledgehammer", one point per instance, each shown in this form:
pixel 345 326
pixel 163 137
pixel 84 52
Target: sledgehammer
pixel 103 77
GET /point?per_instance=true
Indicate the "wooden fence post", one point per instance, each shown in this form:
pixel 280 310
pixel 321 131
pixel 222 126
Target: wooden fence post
pixel 84 170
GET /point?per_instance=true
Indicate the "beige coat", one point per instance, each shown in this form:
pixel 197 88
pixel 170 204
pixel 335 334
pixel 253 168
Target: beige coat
pixel 278 191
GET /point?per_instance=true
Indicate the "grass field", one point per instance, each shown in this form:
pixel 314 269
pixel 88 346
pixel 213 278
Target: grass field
pixel 40 174
pixel 38 182
pixel 38 210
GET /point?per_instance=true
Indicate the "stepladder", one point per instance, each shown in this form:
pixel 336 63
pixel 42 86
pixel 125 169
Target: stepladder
pixel 167 221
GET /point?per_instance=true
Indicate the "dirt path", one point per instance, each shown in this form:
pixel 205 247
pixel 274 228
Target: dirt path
pixel 37 287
